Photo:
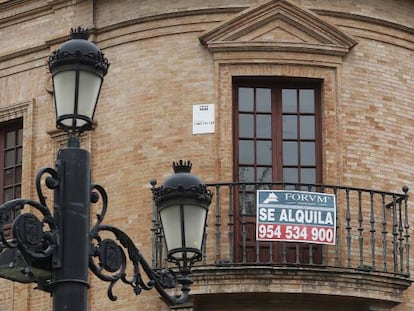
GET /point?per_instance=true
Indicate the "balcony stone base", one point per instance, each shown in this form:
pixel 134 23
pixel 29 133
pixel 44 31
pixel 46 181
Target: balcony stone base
pixel 294 288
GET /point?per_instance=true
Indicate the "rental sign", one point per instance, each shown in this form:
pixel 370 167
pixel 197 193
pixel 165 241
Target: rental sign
pixel 296 216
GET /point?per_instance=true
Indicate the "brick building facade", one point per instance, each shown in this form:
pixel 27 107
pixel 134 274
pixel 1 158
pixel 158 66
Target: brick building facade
pixel 308 95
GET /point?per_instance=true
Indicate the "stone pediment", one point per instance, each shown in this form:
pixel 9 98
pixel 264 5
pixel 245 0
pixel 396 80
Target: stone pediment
pixel 278 25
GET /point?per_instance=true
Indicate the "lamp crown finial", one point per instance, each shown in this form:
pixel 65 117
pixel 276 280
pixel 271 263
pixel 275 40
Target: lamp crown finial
pixel 182 166
pixel 79 33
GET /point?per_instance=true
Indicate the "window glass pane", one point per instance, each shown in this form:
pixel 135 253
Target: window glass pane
pixel 290 175
pixel 245 99
pixel 290 128
pixel 246 174
pixel 8 194
pixel 246 125
pixel 263 126
pixel 18 175
pixel 264 174
pixel 10 139
pixel 263 100
pixel 307 101
pixel 18 191
pixel 308 175
pixel 247 203
pixel 9 158
pixel 307 153
pixel 290 153
pixel 246 152
pixel 19 151
pixel 8 177
pixel 307 127
pixel 289 100
pixel 264 152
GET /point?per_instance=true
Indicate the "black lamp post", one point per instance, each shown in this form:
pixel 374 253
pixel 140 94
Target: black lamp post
pixel 56 250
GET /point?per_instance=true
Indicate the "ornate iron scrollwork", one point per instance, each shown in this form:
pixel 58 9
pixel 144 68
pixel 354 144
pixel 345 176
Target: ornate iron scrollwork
pixel 111 263
pixel 35 238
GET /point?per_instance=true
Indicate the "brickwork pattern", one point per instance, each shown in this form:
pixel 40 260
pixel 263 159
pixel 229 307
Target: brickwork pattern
pixel 159 70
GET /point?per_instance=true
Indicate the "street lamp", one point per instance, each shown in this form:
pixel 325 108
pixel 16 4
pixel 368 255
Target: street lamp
pixel 183 204
pixel 56 250
pixel 78 68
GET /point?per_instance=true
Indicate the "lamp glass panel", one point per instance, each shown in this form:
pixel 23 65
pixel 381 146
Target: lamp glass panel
pixel 194 221
pixel 64 87
pixel 89 87
pixel 171 224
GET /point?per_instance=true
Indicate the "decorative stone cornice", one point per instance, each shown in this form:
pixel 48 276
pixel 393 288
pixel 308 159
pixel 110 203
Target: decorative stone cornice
pixel 278 25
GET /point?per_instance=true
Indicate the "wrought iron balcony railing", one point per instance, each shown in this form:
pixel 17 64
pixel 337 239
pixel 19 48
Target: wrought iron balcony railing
pixel 372 231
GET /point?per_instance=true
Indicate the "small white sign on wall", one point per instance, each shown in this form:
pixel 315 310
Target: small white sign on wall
pixel 203 118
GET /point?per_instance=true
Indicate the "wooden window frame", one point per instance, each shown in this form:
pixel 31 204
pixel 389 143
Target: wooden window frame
pixel 279 83
pixel 5 127
pixel 245 223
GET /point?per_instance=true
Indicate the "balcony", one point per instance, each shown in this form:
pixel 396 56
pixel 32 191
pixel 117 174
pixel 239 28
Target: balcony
pixel 368 267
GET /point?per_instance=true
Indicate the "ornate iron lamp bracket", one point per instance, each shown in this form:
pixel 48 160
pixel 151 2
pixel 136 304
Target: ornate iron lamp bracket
pixel 113 256
pixel 108 259
pixel 34 235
